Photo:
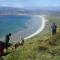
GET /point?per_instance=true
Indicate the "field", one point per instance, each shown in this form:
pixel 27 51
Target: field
pixel 38 47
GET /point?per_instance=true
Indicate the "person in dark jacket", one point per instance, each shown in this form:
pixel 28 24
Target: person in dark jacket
pixel 54 28
pixel 7 40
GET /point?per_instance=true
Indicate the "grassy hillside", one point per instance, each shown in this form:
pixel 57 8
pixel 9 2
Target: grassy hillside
pixel 38 47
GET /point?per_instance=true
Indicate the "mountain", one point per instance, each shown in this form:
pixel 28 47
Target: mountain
pixel 17 11
pixel 12 11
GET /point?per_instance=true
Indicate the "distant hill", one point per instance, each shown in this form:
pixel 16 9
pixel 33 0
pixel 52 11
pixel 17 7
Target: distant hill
pixel 12 11
pixel 17 11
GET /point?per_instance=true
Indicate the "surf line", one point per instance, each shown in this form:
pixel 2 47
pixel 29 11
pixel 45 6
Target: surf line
pixel 39 30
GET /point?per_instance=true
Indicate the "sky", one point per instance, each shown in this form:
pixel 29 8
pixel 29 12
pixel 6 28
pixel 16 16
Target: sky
pixel 30 3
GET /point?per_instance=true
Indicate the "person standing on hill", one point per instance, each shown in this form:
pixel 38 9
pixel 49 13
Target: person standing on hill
pixel 7 40
pixel 54 28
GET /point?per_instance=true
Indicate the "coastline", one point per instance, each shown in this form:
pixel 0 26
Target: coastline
pixel 18 37
pixel 39 30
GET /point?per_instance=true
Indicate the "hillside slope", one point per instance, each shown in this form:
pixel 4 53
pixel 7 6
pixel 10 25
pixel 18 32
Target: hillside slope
pixel 38 47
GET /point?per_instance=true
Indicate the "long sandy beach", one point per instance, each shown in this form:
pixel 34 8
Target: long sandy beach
pixel 17 37
pixel 39 30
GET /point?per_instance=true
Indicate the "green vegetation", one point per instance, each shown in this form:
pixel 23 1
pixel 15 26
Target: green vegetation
pixel 38 47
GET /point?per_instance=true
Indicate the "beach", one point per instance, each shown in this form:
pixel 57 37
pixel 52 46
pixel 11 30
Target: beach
pixel 17 37
pixel 39 30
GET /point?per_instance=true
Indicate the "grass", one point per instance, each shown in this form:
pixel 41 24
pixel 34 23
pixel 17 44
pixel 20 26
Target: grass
pixel 38 47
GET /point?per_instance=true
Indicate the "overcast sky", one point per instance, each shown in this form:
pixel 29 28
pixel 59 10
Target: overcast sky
pixel 30 3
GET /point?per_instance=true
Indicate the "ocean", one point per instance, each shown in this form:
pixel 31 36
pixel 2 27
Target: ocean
pixel 22 25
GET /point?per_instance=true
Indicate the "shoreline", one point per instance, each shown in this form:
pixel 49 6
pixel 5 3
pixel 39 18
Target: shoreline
pixel 39 30
pixel 33 34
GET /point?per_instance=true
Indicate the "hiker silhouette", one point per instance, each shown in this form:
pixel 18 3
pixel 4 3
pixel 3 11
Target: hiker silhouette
pixel 54 28
pixel 7 38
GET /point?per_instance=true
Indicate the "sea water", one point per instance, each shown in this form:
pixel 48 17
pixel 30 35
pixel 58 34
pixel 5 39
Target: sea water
pixel 23 25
